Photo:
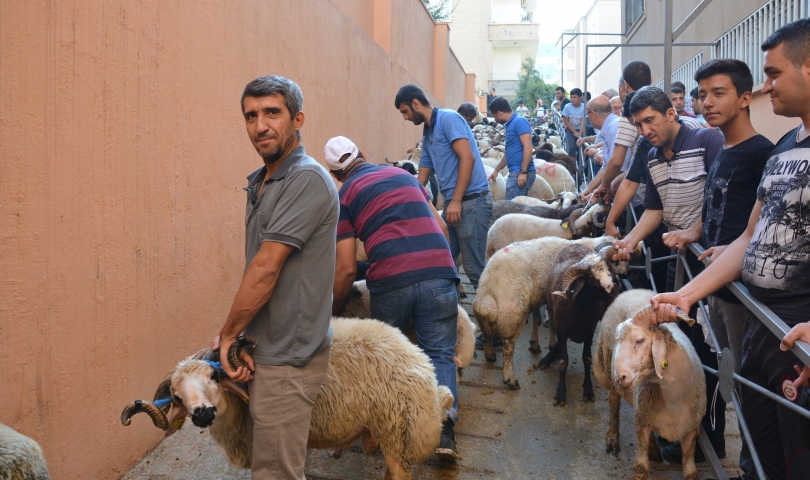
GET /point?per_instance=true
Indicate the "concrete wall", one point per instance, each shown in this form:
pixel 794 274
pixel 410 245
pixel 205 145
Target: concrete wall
pixel 124 155
pixel 470 39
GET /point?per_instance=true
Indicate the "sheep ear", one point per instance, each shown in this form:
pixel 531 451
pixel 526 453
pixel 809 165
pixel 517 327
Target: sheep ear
pixel 659 353
pixel 233 387
pixel 176 417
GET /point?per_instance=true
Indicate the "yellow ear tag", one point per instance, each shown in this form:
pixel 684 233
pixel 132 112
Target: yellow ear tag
pixel 664 364
pixel 178 424
pixel 565 225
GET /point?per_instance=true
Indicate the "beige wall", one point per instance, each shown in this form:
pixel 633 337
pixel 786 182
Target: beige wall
pixel 470 39
pixel 123 158
pixel 765 121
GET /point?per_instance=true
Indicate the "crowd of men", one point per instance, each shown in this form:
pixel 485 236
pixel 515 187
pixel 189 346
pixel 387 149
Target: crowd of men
pixel 725 186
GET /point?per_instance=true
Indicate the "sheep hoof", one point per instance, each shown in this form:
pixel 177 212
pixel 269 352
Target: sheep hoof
pixel 512 385
pixel 338 453
pixel 560 399
pixel 543 365
pixel 534 347
pixel 561 403
pixel 488 358
pixel 588 397
pixel 613 446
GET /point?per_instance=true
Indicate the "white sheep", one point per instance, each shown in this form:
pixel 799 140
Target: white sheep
pixel 658 372
pixel 498 186
pixel 534 202
pixel 358 305
pixel 557 176
pixel 378 387
pixel 493 163
pixel 540 190
pixel 21 458
pixel 515 227
pixel 555 140
pixel 513 285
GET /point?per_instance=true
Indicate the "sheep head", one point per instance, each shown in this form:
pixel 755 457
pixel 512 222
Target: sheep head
pixel 587 222
pixel 591 269
pixel 641 349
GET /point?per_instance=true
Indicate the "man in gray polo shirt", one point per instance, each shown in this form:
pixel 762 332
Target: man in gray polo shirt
pixel 285 298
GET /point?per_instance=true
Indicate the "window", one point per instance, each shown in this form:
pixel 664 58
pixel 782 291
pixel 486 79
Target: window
pixel 633 9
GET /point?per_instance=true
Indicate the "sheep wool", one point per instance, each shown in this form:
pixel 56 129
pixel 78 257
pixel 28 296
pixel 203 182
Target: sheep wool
pixel 21 458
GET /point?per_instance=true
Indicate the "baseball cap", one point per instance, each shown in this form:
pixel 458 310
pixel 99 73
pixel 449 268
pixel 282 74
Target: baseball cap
pixel 335 148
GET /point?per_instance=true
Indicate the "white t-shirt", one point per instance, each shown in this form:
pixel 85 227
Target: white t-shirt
pixel 574 114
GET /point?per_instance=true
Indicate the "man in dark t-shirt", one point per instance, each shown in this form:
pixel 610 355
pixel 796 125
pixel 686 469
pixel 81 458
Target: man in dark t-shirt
pixel 730 193
pixel 773 257
pixel 412 274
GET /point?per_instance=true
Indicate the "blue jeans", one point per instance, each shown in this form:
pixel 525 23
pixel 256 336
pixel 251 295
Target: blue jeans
pixel 469 235
pixel 512 188
pixel 433 305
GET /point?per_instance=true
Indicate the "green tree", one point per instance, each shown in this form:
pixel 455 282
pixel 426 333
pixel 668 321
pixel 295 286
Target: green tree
pixel 438 9
pixel 531 87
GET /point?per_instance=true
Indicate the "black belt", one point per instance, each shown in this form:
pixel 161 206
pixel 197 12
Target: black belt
pixel 474 195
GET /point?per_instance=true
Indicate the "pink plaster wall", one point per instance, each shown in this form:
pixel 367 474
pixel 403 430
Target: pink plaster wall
pixel 456 85
pixel 123 157
pixel 765 121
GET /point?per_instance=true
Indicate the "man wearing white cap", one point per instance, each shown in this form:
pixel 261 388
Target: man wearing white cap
pixel 411 273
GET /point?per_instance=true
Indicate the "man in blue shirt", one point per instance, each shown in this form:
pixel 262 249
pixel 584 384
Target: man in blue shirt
pixel 573 115
pixel 518 149
pixel 449 148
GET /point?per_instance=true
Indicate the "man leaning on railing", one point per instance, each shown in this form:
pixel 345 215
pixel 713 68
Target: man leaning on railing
pixel 773 258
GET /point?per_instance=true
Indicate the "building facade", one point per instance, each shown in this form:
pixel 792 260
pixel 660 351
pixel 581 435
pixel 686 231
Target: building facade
pixel 492 39
pixel 604 16
pixel 736 28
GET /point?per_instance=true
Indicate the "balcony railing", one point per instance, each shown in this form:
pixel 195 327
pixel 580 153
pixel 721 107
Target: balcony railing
pixel 743 41
pixel 686 73
pixel 512 16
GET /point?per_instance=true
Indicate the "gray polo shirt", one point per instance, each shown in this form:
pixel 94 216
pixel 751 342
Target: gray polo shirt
pixel 298 206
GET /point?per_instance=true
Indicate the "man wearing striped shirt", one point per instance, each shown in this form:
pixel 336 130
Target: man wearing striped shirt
pixel 677 165
pixel 412 274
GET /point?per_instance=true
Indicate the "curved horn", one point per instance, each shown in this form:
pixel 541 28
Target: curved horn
pixel 236 350
pixel 389 161
pixel 574 271
pixel 644 316
pixel 600 219
pixel 608 251
pixel 155 413
pixel 573 217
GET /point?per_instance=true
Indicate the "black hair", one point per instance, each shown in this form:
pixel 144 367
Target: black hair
pixel 500 104
pixel 676 90
pixel 694 93
pixel 467 110
pixel 650 96
pixel 408 94
pixel 588 96
pixel 560 89
pixel 679 85
pixel 576 91
pixel 637 75
pixel 796 37
pixel 737 71
pixel 275 85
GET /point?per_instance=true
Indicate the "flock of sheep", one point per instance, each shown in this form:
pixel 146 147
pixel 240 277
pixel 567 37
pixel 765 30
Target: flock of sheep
pixel 380 388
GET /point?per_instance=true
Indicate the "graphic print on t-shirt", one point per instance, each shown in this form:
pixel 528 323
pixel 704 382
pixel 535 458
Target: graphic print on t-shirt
pixel 779 252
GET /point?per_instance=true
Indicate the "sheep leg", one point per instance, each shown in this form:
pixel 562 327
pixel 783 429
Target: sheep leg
pixel 534 343
pixel 550 357
pixel 587 361
pixel 562 345
pixel 641 467
pixel 688 459
pixel 612 438
pixel 396 470
pixel 654 453
pixel 489 353
pixel 508 372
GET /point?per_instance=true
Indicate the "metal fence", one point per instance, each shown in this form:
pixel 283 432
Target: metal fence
pixel 743 41
pixel 775 324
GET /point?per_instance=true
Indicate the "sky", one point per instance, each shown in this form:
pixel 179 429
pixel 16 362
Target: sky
pixel 554 16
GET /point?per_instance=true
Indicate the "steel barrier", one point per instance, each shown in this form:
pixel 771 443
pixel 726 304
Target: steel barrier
pixel 775 324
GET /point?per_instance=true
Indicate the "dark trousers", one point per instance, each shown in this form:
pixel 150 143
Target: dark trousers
pixel 775 430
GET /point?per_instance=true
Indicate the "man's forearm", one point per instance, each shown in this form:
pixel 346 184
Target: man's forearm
pixel 256 288
pixel 424 175
pixel 718 274
pixel 623 198
pixel 647 224
pixel 595 182
pixel 614 165
pixel 465 168
pixel 501 164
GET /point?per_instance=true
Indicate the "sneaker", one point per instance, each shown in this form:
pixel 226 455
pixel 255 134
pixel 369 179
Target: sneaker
pixel 479 342
pixel 447 444
pixel 673 454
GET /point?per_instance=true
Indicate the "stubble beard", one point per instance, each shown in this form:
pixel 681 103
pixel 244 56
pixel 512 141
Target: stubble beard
pixel 274 154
